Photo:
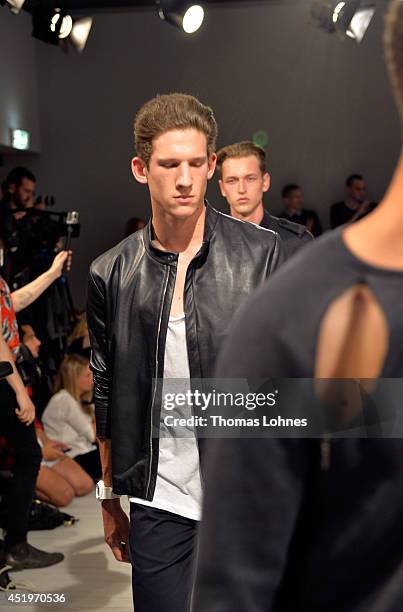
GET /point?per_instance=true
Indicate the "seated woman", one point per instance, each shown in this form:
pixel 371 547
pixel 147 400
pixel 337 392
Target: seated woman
pixel 60 478
pixel 69 417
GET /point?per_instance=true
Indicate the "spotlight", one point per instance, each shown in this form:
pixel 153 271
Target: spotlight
pixel 183 14
pixel 58 27
pixel 80 32
pixel 348 18
pixel 61 24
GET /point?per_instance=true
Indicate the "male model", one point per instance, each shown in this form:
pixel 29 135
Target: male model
pixel 243 182
pixel 159 305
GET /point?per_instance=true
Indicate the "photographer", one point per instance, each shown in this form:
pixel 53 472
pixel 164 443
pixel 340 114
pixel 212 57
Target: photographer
pixel 15 225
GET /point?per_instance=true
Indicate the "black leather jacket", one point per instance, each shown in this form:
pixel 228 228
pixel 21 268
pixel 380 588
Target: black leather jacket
pixel 129 300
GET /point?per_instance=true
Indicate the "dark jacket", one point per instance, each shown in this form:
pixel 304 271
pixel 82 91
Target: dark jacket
pixel 129 300
pixel 293 235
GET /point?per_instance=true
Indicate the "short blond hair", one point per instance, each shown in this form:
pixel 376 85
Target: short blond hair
pixel 393 41
pixel 175 111
pixel 245 148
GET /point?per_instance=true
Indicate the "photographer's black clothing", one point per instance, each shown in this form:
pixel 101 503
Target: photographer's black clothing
pixel 293 235
pixel 161 549
pixel 129 301
pixel 27 457
pixel 340 213
pixel 280 531
pixel 308 218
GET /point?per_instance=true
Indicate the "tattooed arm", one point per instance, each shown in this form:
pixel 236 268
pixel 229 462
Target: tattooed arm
pixel 26 295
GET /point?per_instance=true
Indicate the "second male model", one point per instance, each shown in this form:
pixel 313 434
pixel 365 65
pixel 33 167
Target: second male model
pixel 159 306
pixel 243 182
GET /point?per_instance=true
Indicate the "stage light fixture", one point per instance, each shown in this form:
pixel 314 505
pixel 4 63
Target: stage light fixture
pixel 80 32
pixel 183 14
pixel 61 24
pixel 58 27
pixel 350 18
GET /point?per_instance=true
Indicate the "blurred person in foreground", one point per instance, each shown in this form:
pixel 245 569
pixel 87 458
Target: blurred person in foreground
pixel 300 525
pixel 244 180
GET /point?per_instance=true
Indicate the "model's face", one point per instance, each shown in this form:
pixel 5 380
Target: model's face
pixel 24 193
pixel 85 381
pixel 178 172
pixel 31 341
pixel 243 184
pixel 357 191
pixel 294 201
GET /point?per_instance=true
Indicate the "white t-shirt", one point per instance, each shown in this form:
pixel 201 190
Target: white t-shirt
pixel 64 419
pixel 178 487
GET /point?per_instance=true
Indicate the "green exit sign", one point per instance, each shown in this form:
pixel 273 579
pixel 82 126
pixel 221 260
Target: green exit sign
pixel 20 139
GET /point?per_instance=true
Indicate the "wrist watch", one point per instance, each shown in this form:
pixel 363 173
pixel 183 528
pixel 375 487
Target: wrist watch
pixel 102 492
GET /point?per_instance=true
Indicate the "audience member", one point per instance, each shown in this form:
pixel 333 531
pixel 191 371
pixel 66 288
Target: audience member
pixel 16 425
pixel 354 207
pixel 60 478
pixel 243 182
pixel 15 225
pixel 293 201
pixel 78 342
pixel 34 373
pixel 70 418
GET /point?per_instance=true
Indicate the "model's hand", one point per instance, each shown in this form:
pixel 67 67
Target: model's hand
pixel 116 529
pixel 26 410
pixel 64 257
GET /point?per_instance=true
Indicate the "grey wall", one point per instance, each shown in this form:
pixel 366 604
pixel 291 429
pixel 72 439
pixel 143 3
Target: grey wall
pixel 324 103
pixel 18 78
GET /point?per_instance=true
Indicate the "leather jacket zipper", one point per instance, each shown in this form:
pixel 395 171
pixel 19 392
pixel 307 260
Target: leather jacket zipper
pixel 156 382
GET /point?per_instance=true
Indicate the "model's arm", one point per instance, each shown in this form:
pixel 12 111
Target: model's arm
pixel 116 522
pixel 23 297
pixel 26 410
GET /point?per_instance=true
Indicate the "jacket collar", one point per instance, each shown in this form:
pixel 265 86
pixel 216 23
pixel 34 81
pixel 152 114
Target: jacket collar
pixel 267 221
pixel 167 257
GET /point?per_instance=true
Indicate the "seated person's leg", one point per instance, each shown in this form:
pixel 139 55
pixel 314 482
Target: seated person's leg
pixel 53 488
pixel 73 473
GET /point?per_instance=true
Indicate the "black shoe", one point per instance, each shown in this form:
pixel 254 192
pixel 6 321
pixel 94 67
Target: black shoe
pixel 5 580
pixel 24 556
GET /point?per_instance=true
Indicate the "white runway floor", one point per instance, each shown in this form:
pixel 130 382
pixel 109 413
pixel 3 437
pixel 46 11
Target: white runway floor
pixel 89 576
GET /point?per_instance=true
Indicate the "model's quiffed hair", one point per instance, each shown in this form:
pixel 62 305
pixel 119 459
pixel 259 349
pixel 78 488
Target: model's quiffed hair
pixel 393 40
pixel 241 149
pixel 175 111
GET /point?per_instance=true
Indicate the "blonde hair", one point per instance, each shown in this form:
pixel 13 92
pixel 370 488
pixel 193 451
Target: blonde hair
pixel 175 111
pixel 69 371
pixel 80 329
pixel 393 41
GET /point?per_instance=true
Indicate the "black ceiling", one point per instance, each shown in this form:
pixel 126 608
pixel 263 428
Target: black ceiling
pixel 116 5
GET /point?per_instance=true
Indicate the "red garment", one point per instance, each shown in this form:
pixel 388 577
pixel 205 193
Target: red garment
pixel 8 319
